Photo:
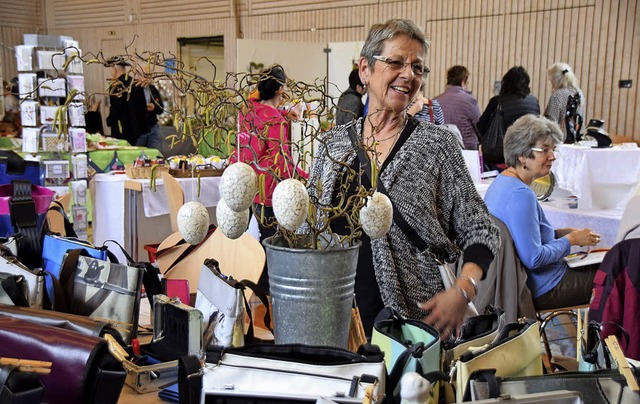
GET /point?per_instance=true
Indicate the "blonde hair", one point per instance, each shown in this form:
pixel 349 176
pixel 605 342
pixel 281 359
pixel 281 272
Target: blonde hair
pixel 560 75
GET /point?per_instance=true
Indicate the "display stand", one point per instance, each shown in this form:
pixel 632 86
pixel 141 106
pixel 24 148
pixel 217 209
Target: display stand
pixel 51 89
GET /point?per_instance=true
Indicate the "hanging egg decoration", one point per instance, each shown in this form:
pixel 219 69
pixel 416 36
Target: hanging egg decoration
pixel 239 185
pixel 376 215
pixel 193 222
pixel 290 203
pixel 232 224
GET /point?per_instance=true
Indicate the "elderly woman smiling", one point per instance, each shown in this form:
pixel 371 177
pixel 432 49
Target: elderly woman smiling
pixel 423 173
pixel 529 151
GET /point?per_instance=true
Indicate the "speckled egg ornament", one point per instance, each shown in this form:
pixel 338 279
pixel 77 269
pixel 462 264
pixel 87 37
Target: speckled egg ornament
pixel 377 215
pixel 290 203
pixel 239 185
pixel 193 222
pixel 232 224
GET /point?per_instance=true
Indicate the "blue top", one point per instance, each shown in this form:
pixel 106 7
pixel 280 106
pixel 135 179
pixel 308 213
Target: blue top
pixel 513 202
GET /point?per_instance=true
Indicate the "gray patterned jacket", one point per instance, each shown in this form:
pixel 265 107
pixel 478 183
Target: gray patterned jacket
pixel 428 182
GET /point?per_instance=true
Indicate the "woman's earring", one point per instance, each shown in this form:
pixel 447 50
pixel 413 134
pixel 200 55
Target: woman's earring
pixel 524 166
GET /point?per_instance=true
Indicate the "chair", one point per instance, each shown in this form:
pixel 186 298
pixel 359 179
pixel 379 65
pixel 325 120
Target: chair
pixel 545 318
pixel 175 198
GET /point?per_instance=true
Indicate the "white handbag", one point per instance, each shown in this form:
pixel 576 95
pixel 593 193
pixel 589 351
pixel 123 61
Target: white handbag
pixel 34 278
pixel 278 373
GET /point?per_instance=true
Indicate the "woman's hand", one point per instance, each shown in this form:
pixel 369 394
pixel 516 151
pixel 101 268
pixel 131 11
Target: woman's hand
pixel 446 312
pixel 583 237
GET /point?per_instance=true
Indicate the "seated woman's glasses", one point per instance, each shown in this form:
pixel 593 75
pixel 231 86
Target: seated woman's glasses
pixel 417 68
pixel 546 150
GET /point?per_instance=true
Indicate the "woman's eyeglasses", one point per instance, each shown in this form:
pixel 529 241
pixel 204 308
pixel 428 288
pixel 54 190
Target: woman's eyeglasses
pixel 417 68
pixel 546 150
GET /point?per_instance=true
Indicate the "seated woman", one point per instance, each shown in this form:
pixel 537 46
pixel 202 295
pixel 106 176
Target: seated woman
pixel 529 151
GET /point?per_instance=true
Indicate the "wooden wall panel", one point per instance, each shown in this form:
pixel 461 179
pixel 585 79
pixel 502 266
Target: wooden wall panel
pixel 600 39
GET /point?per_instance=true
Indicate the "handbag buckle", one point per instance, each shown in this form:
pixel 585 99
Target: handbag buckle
pixel 23 213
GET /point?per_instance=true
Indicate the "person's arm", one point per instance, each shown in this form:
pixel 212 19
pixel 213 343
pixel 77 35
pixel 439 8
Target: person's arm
pixel 534 248
pixel 554 110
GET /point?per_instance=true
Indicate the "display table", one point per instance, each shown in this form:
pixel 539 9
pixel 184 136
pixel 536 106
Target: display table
pixel 130 212
pixel 600 178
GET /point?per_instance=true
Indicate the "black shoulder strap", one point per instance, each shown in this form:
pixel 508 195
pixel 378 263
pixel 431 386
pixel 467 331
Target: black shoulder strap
pixel 24 220
pixel 411 234
pixel 189 379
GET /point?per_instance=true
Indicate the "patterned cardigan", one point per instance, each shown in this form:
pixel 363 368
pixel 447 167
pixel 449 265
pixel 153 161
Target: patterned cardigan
pixel 428 182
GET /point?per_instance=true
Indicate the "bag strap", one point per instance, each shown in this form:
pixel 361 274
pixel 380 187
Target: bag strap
pixel 430 108
pixel 189 379
pixel 150 275
pixel 69 231
pixel 10 286
pixel 24 220
pixel 68 284
pixel 263 298
pixel 399 220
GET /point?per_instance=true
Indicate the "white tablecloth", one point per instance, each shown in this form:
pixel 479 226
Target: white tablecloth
pixel 600 178
pixel 112 222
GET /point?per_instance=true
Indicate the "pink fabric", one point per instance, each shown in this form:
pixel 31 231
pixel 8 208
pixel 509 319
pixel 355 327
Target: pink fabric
pixel 42 197
pixel 265 131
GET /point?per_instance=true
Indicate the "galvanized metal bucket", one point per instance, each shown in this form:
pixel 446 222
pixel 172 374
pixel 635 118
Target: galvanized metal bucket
pixel 311 292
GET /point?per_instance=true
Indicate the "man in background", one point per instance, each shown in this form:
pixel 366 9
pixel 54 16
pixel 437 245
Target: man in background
pixel 350 103
pixel 460 108
pixel 154 107
pixel 127 105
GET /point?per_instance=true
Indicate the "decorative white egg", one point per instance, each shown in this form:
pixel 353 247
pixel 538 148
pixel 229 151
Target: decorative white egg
pixel 377 215
pixel 193 222
pixel 239 185
pixel 414 389
pixel 290 203
pixel 232 224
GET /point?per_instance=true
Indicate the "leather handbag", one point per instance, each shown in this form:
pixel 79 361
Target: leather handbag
pixel 408 345
pixel 17 387
pixel 83 370
pixel 80 324
pixel 33 278
pixel 293 373
pixel 102 290
pixel 516 351
pixel 54 249
pixel 476 331
pixel 223 304
pixel 492 148
pixel 602 386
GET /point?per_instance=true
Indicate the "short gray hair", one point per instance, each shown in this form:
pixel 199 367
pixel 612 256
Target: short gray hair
pixel 524 133
pixel 561 75
pixel 380 33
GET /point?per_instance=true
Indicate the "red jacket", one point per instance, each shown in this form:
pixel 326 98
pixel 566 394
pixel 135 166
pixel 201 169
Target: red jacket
pixel 264 130
pixel 617 295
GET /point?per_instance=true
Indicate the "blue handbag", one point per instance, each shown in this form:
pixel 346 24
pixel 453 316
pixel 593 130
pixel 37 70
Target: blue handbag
pixel 14 167
pixel 54 249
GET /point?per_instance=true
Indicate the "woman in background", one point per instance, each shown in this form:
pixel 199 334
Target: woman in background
pixel 529 150
pixel 564 84
pixel 515 101
pixel 265 142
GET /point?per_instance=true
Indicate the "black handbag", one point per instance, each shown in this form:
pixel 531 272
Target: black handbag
pixel 492 149
pixel 18 387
